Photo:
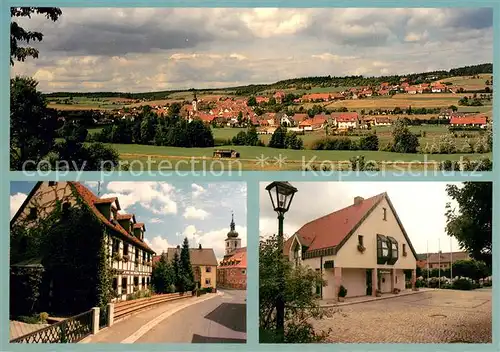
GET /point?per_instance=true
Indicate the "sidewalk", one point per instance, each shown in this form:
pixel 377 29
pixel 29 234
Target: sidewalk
pixel 127 327
pixel 364 299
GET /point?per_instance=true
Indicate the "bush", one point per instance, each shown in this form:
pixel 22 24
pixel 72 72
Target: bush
pixel 369 142
pixel 31 319
pixel 462 284
pixel 43 317
pixel 342 291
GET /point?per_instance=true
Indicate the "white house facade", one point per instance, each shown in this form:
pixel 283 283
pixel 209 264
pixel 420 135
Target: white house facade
pixel 363 247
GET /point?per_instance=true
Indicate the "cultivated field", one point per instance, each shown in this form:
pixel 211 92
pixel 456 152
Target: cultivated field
pixel 469 83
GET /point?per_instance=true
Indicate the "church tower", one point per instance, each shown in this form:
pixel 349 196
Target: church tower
pixel 232 240
pixel 195 103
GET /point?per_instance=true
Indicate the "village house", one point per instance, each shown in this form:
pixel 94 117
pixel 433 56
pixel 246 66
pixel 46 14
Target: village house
pixel 469 121
pixel 315 123
pixel 316 97
pixel 440 260
pixel 298 118
pixel 203 262
pixel 367 252
pixel 382 121
pixel 129 254
pixel 438 87
pixel 279 96
pixel 232 270
pixel 345 120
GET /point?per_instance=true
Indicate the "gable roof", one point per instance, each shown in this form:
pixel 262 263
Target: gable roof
pixel 317 234
pixel 91 200
pixel 197 256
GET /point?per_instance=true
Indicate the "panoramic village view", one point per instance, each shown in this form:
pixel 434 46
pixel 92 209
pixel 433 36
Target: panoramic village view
pixel 127 262
pixel 251 89
pixel 383 275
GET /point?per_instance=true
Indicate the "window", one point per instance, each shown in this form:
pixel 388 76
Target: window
pixel 136 281
pixel 66 206
pixel 404 250
pixel 360 240
pixel 124 285
pixel 385 214
pixel 207 281
pixel 116 246
pixel 208 269
pixel 393 254
pixel 125 249
pixel 115 284
pixel 383 253
pixel 143 281
pixel 243 271
pixel 227 244
pixel 33 213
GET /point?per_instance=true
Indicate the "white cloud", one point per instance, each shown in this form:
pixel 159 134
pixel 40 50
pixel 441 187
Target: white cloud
pixel 158 244
pixel 212 239
pixel 197 190
pixel 16 201
pixel 194 213
pixel 180 48
pixel 154 196
pixel 156 221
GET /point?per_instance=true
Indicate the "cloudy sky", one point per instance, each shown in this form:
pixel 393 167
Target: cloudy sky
pixel 420 206
pixel 201 212
pixel 147 49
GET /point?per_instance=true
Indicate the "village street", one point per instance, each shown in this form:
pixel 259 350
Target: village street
pixel 211 318
pixel 217 320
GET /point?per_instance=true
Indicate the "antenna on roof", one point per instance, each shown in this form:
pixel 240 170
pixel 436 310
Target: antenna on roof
pixel 98 188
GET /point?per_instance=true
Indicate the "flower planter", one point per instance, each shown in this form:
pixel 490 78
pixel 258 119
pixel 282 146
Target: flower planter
pixel 341 299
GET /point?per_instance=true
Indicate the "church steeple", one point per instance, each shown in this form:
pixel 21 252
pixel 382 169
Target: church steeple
pixel 232 240
pixel 232 225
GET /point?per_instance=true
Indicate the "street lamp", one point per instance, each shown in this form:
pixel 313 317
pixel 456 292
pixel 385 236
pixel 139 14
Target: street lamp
pixel 281 194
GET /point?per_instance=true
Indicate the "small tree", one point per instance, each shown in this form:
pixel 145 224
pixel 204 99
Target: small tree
pixel 278 138
pixel 403 140
pixel 301 304
pixel 187 269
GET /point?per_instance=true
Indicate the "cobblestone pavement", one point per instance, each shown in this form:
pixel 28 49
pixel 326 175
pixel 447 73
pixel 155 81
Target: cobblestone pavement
pixel 441 316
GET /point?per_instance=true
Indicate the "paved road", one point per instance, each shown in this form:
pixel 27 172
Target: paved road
pixel 441 316
pixel 217 320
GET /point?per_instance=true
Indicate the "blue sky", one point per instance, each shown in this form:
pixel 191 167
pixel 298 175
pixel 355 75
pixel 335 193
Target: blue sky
pixel 146 49
pixel 172 211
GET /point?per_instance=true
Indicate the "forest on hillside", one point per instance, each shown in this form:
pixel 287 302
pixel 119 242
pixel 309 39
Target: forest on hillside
pixel 297 83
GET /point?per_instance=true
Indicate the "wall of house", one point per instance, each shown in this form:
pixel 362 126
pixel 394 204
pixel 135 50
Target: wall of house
pixel 400 280
pixel 234 278
pixel 45 199
pixel 349 257
pixel 212 276
pixel 354 280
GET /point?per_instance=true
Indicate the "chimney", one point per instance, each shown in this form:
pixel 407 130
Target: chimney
pixel 358 200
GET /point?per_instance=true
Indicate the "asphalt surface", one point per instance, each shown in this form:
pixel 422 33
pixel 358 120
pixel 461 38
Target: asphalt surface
pixel 218 320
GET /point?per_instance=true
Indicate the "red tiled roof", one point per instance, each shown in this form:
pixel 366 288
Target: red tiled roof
pixel 91 199
pixel 468 120
pixel 330 230
pixel 345 116
pixel 239 258
pixel 300 117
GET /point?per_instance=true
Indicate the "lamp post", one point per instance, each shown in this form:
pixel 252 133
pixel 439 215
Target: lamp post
pixel 281 194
